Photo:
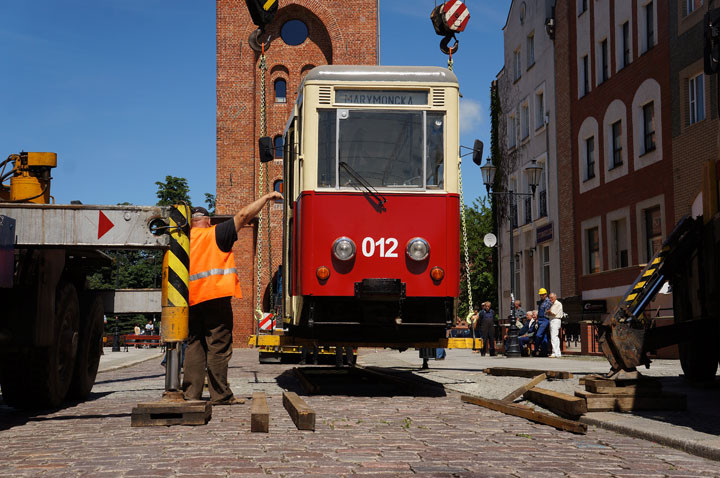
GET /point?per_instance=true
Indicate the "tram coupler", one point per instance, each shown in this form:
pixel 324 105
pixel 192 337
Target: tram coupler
pixel 172 408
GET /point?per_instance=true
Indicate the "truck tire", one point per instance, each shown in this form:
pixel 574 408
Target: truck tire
pixel 39 377
pixel 698 359
pixel 89 346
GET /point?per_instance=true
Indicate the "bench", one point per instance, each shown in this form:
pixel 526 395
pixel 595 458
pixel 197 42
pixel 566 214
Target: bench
pixel 141 340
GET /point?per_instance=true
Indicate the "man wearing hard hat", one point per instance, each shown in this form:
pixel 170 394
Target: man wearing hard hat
pixel 541 340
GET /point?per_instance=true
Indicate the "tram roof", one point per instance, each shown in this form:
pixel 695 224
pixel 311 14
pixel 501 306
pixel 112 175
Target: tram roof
pixel 368 73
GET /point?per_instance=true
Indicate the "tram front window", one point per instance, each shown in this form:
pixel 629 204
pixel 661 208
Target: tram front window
pixel 386 148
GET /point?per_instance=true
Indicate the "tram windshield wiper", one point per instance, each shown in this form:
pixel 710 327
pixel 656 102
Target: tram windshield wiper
pixel 362 182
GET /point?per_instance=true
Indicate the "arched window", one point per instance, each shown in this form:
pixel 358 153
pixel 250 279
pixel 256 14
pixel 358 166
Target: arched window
pixel 280 91
pixel 278 142
pixel 278 186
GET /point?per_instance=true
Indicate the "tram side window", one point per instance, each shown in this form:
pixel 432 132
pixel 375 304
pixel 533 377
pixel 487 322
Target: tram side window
pixel 326 148
pixel 435 149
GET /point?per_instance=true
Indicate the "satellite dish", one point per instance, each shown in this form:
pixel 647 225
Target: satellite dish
pixel 490 240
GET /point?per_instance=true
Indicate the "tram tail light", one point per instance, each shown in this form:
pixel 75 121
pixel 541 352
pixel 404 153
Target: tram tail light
pixel 437 274
pixel 322 273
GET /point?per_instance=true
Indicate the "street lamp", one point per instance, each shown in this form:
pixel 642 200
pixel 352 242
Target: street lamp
pixel 533 172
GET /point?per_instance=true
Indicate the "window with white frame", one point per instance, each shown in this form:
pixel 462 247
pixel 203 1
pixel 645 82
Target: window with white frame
pixel 582 6
pixel 524 120
pixel 280 90
pixel 592 241
pixel 616 142
pixel 619 243
pixel 649 17
pixel 649 127
pixel 585 76
pixel 531 50
pixel 589 158
pixel 604 61
pixel 652 219
pixel 696 98
pixel 511 130
pixel 626 45
pixel 691 6
pixel 516 65
pixel 539 109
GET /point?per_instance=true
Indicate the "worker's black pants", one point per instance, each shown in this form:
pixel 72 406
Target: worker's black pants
pixel 487 334
pixel 209 348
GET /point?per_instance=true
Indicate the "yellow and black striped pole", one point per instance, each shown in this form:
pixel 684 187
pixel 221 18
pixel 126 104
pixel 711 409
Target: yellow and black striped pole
pixel 175 293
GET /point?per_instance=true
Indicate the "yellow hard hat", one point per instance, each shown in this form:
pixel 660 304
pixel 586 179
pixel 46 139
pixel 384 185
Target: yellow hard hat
pixel 542 291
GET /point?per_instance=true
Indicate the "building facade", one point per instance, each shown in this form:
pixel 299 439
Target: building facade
pixel 305 33
pixel 693 102
pixel 619 112
pixel 526 87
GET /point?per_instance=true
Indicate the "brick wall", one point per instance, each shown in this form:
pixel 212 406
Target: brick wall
pixel 565 77
pixel 341 32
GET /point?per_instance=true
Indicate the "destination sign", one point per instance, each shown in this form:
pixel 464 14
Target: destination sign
pixel 381 97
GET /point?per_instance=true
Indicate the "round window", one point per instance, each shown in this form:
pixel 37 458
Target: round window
pixel 294 32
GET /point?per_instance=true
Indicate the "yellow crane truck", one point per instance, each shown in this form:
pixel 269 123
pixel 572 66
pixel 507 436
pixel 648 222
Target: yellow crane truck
pixel 51 325
pixel 690 261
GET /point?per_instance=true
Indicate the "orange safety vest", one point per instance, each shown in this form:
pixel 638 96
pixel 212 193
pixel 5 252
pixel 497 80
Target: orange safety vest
pixel 212 271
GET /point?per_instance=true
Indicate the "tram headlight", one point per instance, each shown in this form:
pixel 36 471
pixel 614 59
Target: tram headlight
pixel 417 249
pixel 343 248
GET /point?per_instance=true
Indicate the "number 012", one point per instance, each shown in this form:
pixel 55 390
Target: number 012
pixel 386 247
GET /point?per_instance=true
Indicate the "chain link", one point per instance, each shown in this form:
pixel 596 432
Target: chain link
pixel 261 218
pixel 465 242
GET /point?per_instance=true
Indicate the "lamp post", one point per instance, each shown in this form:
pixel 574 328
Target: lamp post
pixel 532 172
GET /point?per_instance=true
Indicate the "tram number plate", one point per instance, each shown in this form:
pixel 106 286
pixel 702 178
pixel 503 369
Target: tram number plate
pixel 384 247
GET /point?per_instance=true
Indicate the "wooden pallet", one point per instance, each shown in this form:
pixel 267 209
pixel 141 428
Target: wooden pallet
pixel 164 413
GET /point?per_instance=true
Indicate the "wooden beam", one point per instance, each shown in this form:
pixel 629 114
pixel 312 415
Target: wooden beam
pixel 560 403
pixel 606 402
pixel 259 413
pixel 532 415
pixel 513 395
pixel 528 373
pixel 609 386
pixel 302 415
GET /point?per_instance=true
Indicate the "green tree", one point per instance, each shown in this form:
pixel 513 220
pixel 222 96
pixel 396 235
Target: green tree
pixel 210 201
pixel 173 191
pixel 479 220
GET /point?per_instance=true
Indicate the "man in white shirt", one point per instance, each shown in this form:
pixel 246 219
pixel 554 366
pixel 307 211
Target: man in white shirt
pixel 555 314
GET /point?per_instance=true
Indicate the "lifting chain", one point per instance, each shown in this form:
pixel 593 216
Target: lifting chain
pixel 263 183
pixel 465 244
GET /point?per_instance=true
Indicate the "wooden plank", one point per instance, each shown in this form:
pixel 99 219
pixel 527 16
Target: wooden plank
pixel 646 388
pixel 259 413
pixel 532 415
pixel 165 413
pixel 302 415
pixel 527 373
pixel 515 394
pixel 557 402
pixel 604 402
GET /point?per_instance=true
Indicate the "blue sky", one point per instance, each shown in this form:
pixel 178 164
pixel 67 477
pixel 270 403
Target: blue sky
pixel 124 90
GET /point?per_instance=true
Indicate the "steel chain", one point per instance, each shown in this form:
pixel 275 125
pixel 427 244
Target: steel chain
pixel 261 219
pixel 465 242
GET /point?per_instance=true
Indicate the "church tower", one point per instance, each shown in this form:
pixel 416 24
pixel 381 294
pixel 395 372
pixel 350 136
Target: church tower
pixel 304 34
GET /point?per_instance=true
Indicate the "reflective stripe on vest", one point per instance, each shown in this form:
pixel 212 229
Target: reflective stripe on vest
pixel 212 271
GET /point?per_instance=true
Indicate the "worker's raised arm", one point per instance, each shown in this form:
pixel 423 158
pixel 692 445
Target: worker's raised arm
pixel 246 214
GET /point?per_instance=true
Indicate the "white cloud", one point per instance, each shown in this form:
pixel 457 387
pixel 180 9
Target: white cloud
pixel 471 115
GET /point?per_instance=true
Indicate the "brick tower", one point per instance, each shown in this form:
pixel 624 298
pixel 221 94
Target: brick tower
pixel 305 34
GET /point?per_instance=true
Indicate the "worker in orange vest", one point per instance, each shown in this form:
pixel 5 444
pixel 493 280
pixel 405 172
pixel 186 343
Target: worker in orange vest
pixel 213 281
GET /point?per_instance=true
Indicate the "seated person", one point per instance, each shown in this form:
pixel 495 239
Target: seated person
pixel 527 333
pixel 460 329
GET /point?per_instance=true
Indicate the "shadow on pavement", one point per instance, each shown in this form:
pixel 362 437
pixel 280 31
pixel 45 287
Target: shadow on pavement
pixel 10 417
pixel 359 382
pixel 130 379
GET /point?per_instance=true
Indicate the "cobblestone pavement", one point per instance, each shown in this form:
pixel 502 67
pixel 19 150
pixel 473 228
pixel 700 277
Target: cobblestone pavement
pixel 375 434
